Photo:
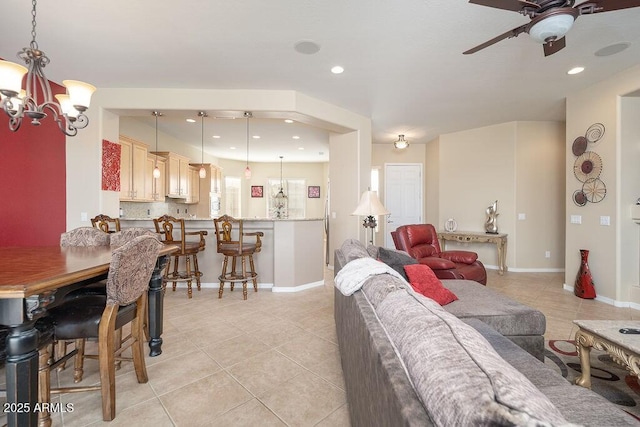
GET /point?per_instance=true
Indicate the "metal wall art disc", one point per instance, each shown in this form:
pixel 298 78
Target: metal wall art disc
pixel 579 146
pixel 587 166
pixel 579 198
pixel 594 190
pixel 595 132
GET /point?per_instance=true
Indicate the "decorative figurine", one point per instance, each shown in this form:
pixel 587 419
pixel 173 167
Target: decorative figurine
pixel 491 224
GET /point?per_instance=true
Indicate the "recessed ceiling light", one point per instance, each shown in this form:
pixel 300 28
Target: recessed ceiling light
pixel 575 70
pixel 337 70
pixel 232 148
pixel 295 137
pixel 191 120
pixel 216 136
pixel 612 49
pixel 288 121
pixel 256 136
pixel 300 148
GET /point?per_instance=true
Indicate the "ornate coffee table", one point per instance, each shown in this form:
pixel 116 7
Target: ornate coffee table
pixel 605 335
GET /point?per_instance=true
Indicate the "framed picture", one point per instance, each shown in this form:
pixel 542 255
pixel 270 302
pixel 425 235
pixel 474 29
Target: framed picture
pixel 313 191
pixel 256 191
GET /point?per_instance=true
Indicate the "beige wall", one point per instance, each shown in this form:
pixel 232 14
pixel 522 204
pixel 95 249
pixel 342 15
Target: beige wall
pixel 255 207
pixel 466 171
pixel 615 274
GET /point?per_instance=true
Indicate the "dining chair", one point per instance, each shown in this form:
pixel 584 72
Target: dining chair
pixel 168 227
pixel 89 316
pixel 84 236
pixel 231 243
pixel 121 237
pixel 106 223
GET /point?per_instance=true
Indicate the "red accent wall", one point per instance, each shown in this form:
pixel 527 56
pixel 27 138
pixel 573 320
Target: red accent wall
pixel 32 182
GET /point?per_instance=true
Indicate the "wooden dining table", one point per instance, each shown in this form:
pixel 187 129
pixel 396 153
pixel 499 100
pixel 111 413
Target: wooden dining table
pixel 33 279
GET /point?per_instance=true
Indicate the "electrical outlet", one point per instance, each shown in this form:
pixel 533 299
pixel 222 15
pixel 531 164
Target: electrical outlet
pixel 84 216
pixel 522 216
pixel 547 254
pixel 177 210
pixel 576 219
pixel 605 220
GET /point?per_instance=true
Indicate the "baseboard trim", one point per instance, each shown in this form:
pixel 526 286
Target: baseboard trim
pixel 536 270
pixel 607 300
pixel 297 288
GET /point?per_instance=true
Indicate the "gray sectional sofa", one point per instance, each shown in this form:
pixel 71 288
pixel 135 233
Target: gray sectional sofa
pixel 407 361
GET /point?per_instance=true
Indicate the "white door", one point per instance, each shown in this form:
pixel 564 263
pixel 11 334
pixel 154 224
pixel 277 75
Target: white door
pixel 402 196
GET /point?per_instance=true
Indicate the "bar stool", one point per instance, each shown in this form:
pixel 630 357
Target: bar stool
pixel 230 242
pixel 165 226
pixel 106 223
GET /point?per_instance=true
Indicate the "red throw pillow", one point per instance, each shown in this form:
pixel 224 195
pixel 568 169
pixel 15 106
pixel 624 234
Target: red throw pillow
pixel 424 281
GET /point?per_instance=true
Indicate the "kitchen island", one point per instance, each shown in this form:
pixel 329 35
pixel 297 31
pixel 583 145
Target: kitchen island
pixel 291 259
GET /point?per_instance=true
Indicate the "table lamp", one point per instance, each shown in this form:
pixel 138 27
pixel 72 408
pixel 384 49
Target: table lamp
pixel 370 207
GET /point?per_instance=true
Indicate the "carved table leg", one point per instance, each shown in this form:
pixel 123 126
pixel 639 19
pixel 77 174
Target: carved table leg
pixel 156 307
pixel 22 376
pixel 584 343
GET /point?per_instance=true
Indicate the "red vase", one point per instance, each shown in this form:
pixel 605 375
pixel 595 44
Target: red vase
pixel 584 287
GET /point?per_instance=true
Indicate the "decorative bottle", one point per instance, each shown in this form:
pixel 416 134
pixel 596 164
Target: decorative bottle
pixel 584 286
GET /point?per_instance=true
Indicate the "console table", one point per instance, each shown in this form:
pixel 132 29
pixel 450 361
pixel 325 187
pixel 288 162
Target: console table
pixel 499 239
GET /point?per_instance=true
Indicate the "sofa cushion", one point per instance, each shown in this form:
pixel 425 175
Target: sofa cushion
pixel 424 281
pixel 502 313
pixel 396 260
pixel 377 287
pixel 458 376
pixel 353 249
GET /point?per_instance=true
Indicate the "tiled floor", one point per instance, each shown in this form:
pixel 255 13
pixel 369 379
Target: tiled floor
pixel 271 360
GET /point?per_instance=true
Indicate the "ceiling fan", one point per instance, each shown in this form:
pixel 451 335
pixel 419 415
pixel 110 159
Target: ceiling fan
pixel 550 19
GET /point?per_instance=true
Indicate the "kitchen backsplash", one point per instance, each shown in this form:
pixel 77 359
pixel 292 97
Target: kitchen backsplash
pixel 156 209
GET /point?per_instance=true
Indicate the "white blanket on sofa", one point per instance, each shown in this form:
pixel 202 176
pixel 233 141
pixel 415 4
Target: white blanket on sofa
pixel 353 275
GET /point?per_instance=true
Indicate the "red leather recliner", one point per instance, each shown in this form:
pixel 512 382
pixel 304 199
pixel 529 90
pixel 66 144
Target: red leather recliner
pixel 420 241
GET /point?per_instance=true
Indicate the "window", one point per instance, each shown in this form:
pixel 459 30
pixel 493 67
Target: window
pixel 296 192
pixel 232 196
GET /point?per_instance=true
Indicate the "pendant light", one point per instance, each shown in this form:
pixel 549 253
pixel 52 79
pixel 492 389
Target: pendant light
pixel 247 170
pixel 202 173
pixel 156 169
pixel 281 198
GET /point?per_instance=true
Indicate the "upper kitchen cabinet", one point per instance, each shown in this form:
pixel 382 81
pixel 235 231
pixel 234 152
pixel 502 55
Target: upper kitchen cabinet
pixel 133 159
pixel 177 171
pixel 193 195
pixel 154 188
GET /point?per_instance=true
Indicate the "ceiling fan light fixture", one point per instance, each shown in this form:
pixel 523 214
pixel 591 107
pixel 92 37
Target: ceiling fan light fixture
pixel 552 27
pixel 401 143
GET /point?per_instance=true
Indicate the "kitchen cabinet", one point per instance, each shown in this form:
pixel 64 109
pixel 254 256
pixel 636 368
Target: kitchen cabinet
pixel 193 192
pixel 209 191
pixel 133 159
pixel 154 189
pixel 177 174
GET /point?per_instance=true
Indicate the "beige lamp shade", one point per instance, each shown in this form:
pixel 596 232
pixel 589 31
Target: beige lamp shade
pixel 11 75
pixel 79 92
pixel 370 205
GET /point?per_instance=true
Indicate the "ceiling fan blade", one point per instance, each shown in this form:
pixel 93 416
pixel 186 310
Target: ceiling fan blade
pixel 509 34
pixel 552 47
pixel 598 6
pixel 514 5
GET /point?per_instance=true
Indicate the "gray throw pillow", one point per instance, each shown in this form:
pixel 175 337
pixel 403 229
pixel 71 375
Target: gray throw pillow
pixel 396 260
pixel 353 249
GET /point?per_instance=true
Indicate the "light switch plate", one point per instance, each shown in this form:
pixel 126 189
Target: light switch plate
pixel 84 216
pixel 605 220
pixel 576 219
pixel 522 216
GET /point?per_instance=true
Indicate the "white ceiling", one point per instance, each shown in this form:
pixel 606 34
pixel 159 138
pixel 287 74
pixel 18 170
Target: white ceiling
pixel 403 60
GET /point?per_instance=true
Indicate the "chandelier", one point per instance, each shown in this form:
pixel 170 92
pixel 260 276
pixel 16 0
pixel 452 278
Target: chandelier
pixel 36 100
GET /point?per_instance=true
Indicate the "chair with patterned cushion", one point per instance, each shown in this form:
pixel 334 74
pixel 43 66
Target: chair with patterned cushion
pixel 106 223
pixel 84 236
pixel 89 317
pixel 231 242
pixel 119 238
pixel 167 228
